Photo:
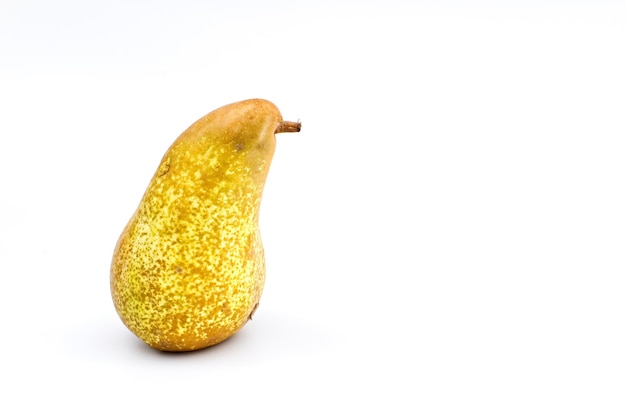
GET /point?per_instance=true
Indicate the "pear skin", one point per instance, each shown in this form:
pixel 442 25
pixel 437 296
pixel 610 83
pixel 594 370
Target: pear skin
pixel 188 269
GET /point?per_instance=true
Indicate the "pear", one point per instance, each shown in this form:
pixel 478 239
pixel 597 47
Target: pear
pixel 189 268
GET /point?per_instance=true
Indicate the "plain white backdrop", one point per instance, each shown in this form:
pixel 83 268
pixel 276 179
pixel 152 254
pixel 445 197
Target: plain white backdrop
pixel 446 237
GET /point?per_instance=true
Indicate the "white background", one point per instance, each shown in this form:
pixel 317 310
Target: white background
pixel 446 237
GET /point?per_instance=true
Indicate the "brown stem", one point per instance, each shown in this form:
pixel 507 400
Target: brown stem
pixel 285 126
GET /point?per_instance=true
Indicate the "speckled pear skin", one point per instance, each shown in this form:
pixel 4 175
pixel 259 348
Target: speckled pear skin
pixel 188 270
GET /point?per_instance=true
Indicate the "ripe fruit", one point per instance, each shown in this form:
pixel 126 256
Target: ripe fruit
pixel 188 270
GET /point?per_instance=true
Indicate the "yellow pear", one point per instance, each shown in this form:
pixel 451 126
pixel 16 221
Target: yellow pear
pixel 188 270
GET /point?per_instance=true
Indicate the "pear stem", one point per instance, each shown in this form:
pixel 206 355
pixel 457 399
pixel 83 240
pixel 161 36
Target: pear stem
pixel 285 126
